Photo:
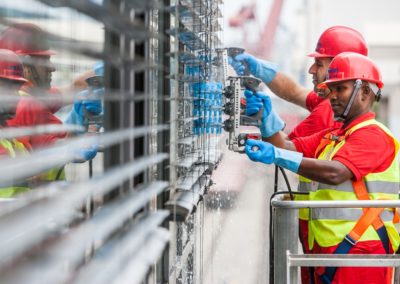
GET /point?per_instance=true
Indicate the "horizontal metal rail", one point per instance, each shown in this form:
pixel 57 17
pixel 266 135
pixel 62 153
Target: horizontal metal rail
pixel 61 209
pixel 151 251
pixel 184 202
pixel 343 260
pixel 64 152
pixel 336 204
pixel 348 260
pixel 186 182
pixel 285 218
pixel 106 266
pixel 69 97
pixel 109 16
pixel 15 132
pixel 71 250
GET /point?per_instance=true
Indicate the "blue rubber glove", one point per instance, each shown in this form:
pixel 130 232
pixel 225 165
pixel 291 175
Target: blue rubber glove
pixel 89 102
pixel 264 70
pixel 253 103
pixel 86 154
pixel 271 123
pixel 264 152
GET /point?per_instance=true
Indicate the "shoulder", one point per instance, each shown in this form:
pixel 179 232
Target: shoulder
pixel 372 134
pixel 313 100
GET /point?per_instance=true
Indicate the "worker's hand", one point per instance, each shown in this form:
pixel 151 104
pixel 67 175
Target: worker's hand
pixel 260 151
pixel 252 103
pixel 88 103
pixel 270 122
pixel 264 152
pixel 91 102
pixel 264 70
pixel 86 154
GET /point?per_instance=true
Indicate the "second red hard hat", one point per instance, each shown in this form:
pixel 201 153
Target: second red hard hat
pixel 338 39
pixel 11 66
pixel 26 39
pixel 352 66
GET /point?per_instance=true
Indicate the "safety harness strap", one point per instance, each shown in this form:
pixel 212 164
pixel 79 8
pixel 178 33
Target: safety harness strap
pixel 352 238
pixel 362 194
pixel 369 217
pixel 326 140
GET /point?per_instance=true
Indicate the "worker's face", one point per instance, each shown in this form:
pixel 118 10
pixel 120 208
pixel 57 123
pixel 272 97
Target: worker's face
pixel 8 99
pixel 339 96
pixel 39 71
pixel 319 70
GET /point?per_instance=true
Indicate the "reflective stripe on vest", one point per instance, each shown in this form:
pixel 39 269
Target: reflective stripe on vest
pixel 347 214
pixel 329 226
pixel 372 187
pixel 305 185
pixel 55 174
pixel 9 192
pixel 8 146
pixel 13 148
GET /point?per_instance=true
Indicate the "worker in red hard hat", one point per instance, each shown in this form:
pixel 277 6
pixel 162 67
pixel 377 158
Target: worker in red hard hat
pixel 355 161
pixel 11 80
pixel 32 45
pixel 332 41
pixel 29 40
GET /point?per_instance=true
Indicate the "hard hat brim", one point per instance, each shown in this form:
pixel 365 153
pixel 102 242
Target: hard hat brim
pixel 319 55
pixel 15 78
pixel 324 85
pixel 38 53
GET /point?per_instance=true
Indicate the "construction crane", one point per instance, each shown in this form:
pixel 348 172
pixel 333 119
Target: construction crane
pixel 262 48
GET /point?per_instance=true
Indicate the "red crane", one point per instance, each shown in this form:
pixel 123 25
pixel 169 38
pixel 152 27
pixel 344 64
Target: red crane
pixel 263 47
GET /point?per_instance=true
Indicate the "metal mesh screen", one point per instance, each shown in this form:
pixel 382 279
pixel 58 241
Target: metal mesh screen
pixel 112 164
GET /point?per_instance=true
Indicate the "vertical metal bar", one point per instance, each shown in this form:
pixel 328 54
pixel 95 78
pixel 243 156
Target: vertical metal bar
pixel 285 239
pixel 289 268
pixel 396 275
pixel 163 116
pixel 173 133
pixel 112 109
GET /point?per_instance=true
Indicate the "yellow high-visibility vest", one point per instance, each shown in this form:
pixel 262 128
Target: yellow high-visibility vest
pixel 329 226
pixel 13 149
pixel 55 174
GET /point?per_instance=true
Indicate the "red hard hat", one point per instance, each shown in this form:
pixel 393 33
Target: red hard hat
pixel 11 66
pixel 352 66
pixel 26 39
pixel 338 39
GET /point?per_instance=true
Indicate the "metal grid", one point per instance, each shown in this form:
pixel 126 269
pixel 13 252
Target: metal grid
pixel 158 145
pixel 102 225
pixel 196 125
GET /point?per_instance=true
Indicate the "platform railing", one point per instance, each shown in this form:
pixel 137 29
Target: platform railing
pixel 286 256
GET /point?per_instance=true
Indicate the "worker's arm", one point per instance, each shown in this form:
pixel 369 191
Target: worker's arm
pixel 80 83
pixel 329 172
pixel 286 88
pixel 279 83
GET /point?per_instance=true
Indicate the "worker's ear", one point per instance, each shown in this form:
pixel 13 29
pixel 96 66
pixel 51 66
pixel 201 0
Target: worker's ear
pixel 366 92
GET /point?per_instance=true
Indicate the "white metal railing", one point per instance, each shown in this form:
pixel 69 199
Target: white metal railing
pixel 286 257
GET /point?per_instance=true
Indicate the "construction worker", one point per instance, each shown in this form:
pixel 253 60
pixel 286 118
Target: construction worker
pixel 31 44
pixel 11 80
pixel 332 41
pixel 358 160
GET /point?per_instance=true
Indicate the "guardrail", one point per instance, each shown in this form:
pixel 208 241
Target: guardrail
pixel 286 256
